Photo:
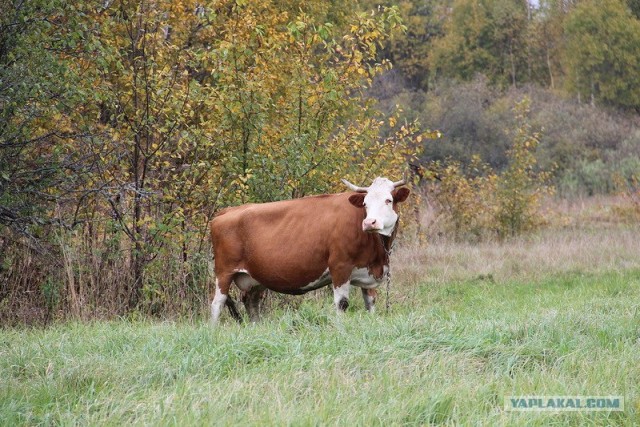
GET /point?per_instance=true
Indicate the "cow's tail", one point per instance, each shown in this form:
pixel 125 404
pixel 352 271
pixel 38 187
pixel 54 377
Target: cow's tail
pixel 231 304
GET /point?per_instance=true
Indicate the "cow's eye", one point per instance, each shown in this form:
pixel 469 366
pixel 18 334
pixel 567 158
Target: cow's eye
pixel 388 201
pixel 364 205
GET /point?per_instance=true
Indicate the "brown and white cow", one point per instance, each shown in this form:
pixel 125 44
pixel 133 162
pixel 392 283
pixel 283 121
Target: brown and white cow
pixel 296 246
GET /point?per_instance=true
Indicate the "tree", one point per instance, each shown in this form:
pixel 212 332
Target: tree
pixel 545 37
pixel 127 124
pixel 602 53
pixel 484 37
pixel 35 90
pixel 520 186
pixel 410 50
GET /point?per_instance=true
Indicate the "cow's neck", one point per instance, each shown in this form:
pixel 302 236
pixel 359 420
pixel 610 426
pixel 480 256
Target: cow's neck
pixel 383 246
pixel 387 242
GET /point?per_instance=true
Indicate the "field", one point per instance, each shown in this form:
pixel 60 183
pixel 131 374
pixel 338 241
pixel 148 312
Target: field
pixel 557 313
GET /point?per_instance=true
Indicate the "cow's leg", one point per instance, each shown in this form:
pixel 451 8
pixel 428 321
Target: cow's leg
pixel 341 296
pixel 252 293
pixel 367 283
pixel 369 296
pixel 252 299
pixel 341 288
pixel 341 278
pixel 223 283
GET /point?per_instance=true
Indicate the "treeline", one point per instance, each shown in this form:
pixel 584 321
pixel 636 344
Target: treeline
pixel 586 47
pixel 462 65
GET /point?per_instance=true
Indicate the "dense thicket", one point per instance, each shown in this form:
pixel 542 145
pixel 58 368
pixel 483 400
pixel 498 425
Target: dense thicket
pixel 127 124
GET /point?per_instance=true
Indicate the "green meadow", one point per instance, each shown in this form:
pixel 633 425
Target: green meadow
pixel 447 352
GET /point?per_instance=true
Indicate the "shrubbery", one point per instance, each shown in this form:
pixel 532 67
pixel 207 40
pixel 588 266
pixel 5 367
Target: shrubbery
pixel 138 121
pixel 479 201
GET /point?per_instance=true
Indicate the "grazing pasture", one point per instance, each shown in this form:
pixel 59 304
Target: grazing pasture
pixel 554 314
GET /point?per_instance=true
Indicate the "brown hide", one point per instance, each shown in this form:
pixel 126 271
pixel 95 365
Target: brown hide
pixel 287 245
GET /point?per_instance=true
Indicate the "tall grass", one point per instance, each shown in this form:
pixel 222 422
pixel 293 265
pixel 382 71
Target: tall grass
pixel 555 313
pixel 87 274
pixel 448 357
pixel 527 258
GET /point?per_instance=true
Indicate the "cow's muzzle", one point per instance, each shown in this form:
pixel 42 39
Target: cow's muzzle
pixel 371 225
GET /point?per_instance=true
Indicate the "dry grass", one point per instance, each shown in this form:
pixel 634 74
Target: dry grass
pixel 583 235
pixel 551 251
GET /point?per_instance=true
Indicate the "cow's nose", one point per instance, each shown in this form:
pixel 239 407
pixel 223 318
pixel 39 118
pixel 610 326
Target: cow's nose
pixel 370 224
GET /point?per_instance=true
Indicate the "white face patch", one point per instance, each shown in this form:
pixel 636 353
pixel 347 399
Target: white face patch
pixel 378 203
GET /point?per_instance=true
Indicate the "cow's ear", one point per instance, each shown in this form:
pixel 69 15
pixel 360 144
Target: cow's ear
pixel 357 200
pixel 400 195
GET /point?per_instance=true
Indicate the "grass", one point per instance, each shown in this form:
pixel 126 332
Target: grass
pixel 556 313
pixel 531 258
pixel 449 355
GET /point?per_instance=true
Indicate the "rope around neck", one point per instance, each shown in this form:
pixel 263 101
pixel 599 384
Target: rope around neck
pixel 388 255
pixel 387 301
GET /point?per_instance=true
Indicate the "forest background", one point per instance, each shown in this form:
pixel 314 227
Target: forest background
pixel 126 125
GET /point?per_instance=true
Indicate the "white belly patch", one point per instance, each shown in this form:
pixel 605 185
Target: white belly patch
pixel 322 281
pixel 361 278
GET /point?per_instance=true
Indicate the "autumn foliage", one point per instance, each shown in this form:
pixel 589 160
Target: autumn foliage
pixel 163 112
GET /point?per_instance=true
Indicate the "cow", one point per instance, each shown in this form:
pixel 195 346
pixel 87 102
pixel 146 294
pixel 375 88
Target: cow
pixel 296 246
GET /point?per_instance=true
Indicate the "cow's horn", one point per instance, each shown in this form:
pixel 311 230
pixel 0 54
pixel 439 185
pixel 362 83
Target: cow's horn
pixel 402 182
pixel 355 187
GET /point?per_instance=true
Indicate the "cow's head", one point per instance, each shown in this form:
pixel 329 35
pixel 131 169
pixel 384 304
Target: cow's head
pixel 379 201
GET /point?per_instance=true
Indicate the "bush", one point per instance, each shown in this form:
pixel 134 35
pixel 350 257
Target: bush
pixel 482 201
pixel 520 185
pixel 466 200
pixel 466 114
